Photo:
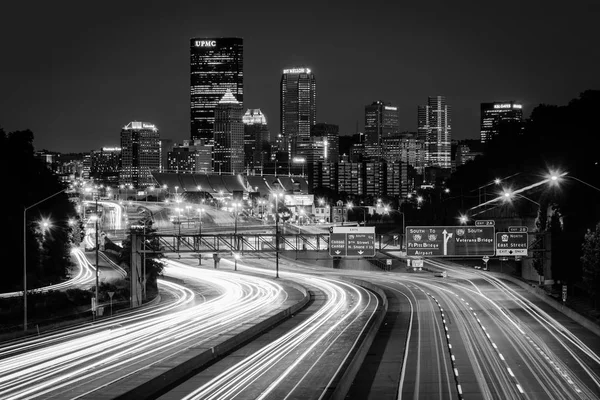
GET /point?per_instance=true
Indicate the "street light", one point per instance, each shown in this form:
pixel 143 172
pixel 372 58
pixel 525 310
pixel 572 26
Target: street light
pixel 95 219
pixel 463 219
pixel 509 195
pixel 556 177
pixel 25 255
pixel 236 257
pixel 277 194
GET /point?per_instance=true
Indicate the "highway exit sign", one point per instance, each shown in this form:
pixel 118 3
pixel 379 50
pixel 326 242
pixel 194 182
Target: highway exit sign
pixel 352 241
pixel 511 244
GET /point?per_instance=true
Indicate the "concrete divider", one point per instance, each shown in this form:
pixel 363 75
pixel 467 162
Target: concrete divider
pixel 541 294
pixel 353 365
pixel 159 377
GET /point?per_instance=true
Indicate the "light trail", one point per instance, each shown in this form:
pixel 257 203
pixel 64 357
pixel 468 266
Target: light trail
pixel 550 372
pixel 292 360
pixel 53 366
pixel 85 274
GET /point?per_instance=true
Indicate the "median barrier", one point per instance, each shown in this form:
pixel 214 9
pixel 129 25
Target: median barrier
pixel 355 362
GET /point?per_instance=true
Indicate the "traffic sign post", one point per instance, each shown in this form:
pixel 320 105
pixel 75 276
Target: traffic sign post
pixel 353 241
pixel 450 241
pixel 511 244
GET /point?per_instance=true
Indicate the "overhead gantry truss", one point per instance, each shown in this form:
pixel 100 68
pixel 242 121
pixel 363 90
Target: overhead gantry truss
pixel 245 243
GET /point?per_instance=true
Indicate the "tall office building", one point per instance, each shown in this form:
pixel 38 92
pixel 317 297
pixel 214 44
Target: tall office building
pixel 330 133
pixel 298 108
pixel 381 121
pixel 257 140
pixel 434 129
pixel 192 156
pixel 105 165
pixel 216 65
pixel 493 115
pixel 140 153
pixel 228 154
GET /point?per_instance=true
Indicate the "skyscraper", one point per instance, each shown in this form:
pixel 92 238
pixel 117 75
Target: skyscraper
pixel 216 65
pixel 298 108
pixel 140 153
pixel 381 121
pixel 257 138
pixel 434 128
pixel 229 136
pixel 493 115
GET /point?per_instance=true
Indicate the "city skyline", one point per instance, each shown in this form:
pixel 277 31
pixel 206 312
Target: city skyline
pixel 129 74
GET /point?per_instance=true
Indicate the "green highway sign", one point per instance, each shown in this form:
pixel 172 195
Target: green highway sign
pixel 450 241
pixel 511 244
pixel 352 241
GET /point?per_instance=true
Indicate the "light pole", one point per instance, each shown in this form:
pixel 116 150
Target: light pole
pixel 95 218
pixel 556 177
pixel 277 194
pixel 200 220
pixel 25 255
pixel 236 257
pixel 508 196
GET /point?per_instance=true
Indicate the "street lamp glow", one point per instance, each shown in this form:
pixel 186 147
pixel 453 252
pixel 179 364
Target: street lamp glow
pixel 497 181
pixel 420 199
pixel 463 219
pixel 447 190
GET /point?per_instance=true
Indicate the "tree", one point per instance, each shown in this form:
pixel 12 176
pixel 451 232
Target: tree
pixel 590 262
pixel 27 180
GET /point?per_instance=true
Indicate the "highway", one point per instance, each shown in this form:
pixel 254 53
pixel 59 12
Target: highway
pixel 470 335
pixel 475 336
pixel 303 358
pixel 116 351
pixel 478 336
pixel 84 275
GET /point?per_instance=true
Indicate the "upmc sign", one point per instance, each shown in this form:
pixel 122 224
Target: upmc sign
pixel 205 43
pixel 450 241
pixel 353 241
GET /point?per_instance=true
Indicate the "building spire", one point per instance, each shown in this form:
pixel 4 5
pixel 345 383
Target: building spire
pixel 228 98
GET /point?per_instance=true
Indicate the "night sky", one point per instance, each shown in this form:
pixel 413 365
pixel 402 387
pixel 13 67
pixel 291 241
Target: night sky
pixel 75 75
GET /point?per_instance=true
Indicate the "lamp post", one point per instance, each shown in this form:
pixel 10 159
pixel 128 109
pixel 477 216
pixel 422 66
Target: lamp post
pixel 277 194
pixel 236 257
pixel 95 218
pixel 508 196
pixel 25 255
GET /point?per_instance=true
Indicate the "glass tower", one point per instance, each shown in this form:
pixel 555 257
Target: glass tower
pixel 216 65
pixel 493 115
pixel 298 107
pixel 434 128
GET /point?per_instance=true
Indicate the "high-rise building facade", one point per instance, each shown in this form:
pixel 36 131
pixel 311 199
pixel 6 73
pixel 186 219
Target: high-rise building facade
pixel 192 156
pixel 228 154
pixel 381 121
pixel 216 65
pixel 298 108
pixel 493 115
pixel 434 129
pixel 257 140
pixel 331 134
pixel 105 165
pixel 140 153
